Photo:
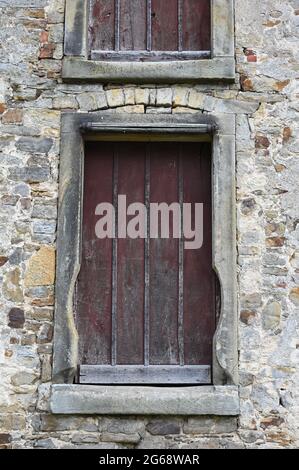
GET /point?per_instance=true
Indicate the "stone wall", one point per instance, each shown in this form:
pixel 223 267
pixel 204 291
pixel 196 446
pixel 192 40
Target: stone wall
pixel 265 101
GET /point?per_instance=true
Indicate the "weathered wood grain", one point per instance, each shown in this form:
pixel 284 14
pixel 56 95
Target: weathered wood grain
pixel 199 302
pixel 133 25
pixel 164 260
pixel 165 25
pixel 130 272
pixel 93 299
pixel 196 25
pixel 102 25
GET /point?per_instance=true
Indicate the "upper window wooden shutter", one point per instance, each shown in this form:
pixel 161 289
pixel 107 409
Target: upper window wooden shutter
pixel 143 30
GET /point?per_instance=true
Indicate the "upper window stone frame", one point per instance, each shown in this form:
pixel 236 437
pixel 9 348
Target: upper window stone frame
pixel 220 67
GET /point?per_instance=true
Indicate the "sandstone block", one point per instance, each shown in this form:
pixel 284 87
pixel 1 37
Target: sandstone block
pixel 41 268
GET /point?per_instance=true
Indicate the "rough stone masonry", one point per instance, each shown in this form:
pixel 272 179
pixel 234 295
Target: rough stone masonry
pixel 264 98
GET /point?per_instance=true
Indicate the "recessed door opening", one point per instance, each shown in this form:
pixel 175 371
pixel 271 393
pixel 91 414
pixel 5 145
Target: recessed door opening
pixel 145 308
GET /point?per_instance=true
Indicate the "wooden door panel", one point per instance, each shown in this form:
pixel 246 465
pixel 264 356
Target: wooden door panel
pixel 133 25
pixel 196 25
pixel 130 261
pixel 146 303
pixel 102 25
pixel 199 300
pixel 94 289
pixel 164 25
pixel 163 272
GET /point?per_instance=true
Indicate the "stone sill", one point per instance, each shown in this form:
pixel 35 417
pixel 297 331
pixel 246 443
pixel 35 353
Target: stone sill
pixel 219 68
pixel 128 400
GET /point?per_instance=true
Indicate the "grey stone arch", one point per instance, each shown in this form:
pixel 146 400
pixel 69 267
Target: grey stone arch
pixel 78 127
pixel 77 66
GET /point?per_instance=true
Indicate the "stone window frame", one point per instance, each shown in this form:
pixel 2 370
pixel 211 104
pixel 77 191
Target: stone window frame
pixel 77 67
pixel 222 397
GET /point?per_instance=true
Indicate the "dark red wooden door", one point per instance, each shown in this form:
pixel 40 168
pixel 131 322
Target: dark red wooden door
pixel 145 307
pixel 150 29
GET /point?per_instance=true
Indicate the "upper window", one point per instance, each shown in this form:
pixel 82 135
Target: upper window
pixel 147 40
pixel 144 30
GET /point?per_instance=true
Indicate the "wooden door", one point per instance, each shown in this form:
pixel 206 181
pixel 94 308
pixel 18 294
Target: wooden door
pixel 145 307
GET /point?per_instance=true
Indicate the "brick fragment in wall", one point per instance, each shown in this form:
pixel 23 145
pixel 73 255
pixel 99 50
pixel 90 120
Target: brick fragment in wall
pixel 3 260
pixel 262 142
pixel 47 51
pixel 246 83
pixel 248 316
pixel 5 438
pixel 12 116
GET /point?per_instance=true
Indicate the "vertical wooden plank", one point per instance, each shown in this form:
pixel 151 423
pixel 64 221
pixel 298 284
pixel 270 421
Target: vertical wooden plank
pixel 114 258
pixel 133 20
pixel 181 262
pixel 130 275
pixel 164 25
pixel 93 303
pixel 164 260
pixel 117 25
pixel 196 25
pixel 147 193
pixel 149 25
pixel 199 292
pixel 102 25
pixel 180 25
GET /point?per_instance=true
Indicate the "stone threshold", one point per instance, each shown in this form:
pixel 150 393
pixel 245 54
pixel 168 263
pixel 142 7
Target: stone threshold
pixel 142 400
